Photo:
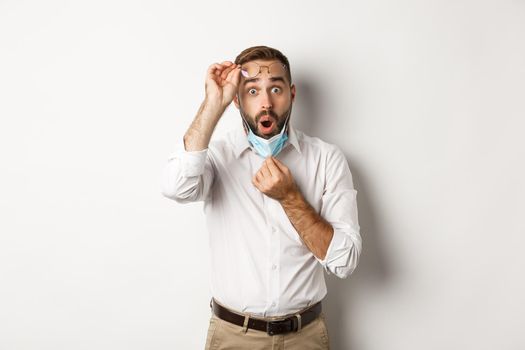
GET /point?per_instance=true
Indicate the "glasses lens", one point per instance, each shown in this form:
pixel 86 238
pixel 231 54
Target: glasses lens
pixel 277 69
pixel 252 69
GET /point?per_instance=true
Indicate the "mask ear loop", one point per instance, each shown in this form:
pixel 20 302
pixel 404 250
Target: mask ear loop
pixel 244 122
pixel 287 123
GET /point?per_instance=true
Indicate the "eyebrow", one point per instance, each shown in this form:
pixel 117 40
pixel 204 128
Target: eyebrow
pixel 252 80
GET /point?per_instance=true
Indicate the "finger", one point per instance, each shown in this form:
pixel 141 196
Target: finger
pixel 226 64
pixel 255 182
pixel 225 72
pixel 211 75
pixel 216 73
pixel 234 76
pixel 279 164
pixel 274 169
pixel 212 68
pixel 265 171
pixel 220 69
pixel 258 180
pixel 227 68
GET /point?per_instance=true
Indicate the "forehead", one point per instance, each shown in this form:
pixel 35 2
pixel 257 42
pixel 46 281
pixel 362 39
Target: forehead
pixel 263 75
pixel 264 62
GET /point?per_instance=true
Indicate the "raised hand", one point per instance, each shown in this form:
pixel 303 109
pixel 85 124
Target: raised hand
pixel 222 81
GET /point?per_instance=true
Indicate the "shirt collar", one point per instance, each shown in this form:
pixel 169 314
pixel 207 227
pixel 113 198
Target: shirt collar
pixel 240 140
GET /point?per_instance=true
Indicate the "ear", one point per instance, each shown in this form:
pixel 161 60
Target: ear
pixel 236 101
pixel 292 91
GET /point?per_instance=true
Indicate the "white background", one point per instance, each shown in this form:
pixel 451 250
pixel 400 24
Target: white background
pixel 426 99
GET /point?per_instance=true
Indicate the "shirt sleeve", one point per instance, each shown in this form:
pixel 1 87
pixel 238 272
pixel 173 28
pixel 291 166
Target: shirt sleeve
pixel 339 208
pixel 188 175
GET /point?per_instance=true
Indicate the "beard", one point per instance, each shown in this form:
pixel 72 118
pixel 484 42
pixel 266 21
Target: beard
pixel 253 122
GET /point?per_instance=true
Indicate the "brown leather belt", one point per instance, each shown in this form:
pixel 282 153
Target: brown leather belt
pixel 290 324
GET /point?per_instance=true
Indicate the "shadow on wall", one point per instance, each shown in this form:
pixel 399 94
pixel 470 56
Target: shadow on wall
pixel 374 270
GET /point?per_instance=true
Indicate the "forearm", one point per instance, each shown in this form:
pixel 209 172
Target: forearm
pixel 313 229
pixel 199 133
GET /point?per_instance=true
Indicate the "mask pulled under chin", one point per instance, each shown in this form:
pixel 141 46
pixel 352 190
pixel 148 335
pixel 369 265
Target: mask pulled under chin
pixel 268 147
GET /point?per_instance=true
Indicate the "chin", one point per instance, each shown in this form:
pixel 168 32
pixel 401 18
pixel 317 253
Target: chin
pixel 267 136
pixel 264 136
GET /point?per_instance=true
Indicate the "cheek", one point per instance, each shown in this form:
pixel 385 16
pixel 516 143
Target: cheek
pixel 284 100
pixel 249 107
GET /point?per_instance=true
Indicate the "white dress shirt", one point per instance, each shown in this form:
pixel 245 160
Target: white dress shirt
pixel 259 263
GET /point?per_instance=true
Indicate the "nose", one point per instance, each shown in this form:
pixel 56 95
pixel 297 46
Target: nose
pixel 266 101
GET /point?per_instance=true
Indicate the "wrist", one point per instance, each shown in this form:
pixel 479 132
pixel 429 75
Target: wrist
pixel 292 197
pixel 211 106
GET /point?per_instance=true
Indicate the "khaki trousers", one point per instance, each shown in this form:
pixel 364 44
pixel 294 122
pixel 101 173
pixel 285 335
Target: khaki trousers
pixel 223 335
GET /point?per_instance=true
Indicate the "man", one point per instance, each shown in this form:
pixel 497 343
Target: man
pixel 280 208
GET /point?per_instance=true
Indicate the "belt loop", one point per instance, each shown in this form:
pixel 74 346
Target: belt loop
pixel 298 316
pixel 245 325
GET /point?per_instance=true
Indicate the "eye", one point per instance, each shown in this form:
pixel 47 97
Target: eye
pixel 250 91
pixel 276 88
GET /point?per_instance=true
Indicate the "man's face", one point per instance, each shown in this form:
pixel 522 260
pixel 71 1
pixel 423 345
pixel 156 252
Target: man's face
pixel 265 101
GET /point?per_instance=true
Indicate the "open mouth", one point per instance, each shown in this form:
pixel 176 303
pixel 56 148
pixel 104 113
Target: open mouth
pixel 266 126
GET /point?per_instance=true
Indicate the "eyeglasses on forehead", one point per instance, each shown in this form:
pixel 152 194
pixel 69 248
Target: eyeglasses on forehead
pixel 252 69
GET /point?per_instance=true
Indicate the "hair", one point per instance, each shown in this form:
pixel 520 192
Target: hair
pixel 264 53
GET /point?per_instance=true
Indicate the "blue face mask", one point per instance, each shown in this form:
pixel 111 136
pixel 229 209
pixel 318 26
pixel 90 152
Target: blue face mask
pixel 267 147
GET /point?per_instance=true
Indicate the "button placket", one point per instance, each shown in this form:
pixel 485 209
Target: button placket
pixel 274 271
pixel 274 260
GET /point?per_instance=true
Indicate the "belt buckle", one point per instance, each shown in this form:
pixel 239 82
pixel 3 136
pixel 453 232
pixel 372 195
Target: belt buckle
pixel 278 327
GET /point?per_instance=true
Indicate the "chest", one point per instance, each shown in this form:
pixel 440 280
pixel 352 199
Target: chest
pixel 234 178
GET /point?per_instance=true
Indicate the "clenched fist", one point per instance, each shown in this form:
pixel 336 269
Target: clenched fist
pixel 275 180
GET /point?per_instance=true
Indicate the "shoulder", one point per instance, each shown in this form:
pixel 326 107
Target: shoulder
pixel 223 145
pixel 328 156
pixel 319 146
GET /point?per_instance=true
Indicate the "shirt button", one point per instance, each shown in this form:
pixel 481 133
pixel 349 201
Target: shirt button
pixel 274 230
pixel 274 267
pixel 273 304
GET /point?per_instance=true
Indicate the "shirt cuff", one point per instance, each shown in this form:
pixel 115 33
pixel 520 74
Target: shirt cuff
pixel 337 253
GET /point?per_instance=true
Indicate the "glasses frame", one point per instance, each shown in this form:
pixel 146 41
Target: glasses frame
pixel 260 68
